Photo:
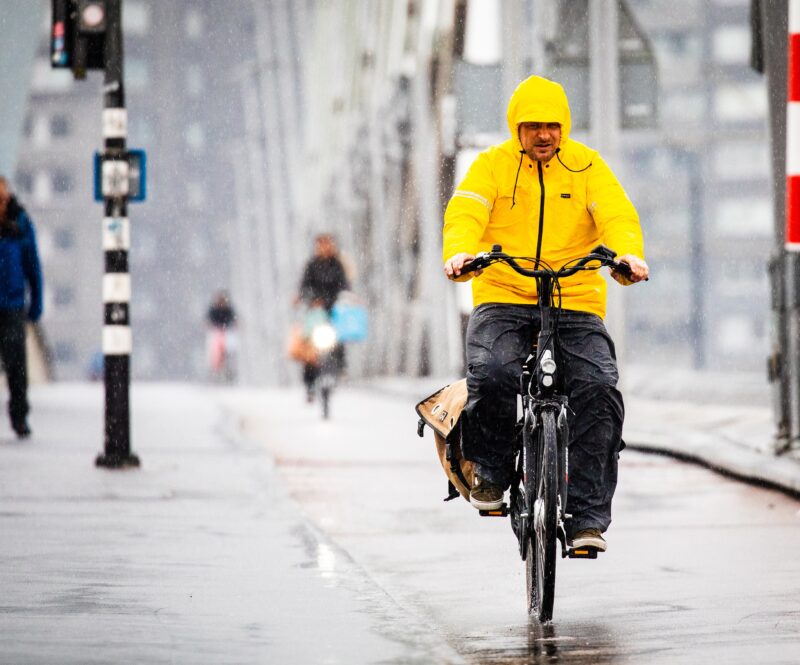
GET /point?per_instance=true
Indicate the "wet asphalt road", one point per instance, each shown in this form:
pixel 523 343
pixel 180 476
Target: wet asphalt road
pixel 700 568
pixel 256 533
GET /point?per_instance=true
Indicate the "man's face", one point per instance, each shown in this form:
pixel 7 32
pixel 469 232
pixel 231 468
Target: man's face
pixel 325 247
pixel 5 197
pixel 540 139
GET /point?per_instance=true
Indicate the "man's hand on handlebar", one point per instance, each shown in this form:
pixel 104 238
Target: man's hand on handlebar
pixel 639 270
pixel 453 265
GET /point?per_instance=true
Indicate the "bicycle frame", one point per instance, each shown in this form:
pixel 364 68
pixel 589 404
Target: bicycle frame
pixel 540 387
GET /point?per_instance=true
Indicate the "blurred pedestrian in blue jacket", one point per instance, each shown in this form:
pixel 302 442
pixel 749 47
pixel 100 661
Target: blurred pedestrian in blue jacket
pixel 19 265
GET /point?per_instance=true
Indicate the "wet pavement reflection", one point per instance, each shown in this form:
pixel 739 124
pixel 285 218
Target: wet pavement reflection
pixel 545 644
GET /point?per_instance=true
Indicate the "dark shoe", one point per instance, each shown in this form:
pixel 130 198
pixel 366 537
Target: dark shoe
pixel 589 538
pixel 21 428
pixel 484 495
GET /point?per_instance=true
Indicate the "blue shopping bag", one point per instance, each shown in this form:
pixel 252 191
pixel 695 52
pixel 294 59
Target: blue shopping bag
pixel 350 322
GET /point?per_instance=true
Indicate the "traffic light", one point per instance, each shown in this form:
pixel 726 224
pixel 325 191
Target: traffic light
pixel 78 35
pixel 62 35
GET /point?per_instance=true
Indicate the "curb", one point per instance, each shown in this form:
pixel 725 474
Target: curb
pixel 724 457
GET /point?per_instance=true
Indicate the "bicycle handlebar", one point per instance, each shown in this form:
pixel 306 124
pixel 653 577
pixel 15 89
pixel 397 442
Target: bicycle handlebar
pixel 602 254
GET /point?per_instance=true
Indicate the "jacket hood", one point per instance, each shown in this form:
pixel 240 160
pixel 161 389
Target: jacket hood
pixel 538 99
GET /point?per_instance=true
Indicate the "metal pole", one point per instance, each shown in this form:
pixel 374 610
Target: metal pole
pixel 253 356
pixel 450 51
pixel 697 258
pixel 605 121
pixel 769 18
pixel 261 235
pixel 431 353
pixel 277 314
pixel 792 218
pixel 117 340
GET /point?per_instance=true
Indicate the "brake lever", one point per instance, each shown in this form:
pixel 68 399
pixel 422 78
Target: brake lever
pixel 478 263
pixel 624 269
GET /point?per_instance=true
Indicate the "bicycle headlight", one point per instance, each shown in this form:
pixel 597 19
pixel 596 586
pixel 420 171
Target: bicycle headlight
pixel 323 337
pixel 547 363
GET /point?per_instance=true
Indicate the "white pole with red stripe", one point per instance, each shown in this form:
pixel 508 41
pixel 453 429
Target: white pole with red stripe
pixel 793 131
pixel 792 239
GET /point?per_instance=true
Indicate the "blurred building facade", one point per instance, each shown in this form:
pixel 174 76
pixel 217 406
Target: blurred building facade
pixel 18 28
pixel 180 236
pixel 703 187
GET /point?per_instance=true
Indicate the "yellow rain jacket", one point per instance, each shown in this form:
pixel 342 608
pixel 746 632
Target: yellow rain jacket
pixel 582 208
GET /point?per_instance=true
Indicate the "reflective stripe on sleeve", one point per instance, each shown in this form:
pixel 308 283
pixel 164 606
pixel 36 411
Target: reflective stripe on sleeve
pixel 472 195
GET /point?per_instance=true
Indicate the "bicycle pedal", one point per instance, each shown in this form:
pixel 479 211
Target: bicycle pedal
pixel 502 511
pixel 582 553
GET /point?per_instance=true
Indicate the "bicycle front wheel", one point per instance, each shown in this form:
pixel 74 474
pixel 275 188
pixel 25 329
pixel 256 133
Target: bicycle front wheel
pixel 325 399
pixel 540 562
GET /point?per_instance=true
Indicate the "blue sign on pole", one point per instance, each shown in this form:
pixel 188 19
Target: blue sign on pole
pixel 137 176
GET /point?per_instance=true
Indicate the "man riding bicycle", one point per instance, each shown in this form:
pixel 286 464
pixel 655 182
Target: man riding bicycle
pixel 542 194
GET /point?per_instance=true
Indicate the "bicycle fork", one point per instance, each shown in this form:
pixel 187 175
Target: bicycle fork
pixel 563 463
pixel 562 440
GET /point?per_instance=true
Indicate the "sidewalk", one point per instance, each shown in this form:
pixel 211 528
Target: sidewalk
pixel 722 421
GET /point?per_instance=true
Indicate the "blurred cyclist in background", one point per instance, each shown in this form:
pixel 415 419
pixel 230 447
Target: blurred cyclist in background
pixel 324 278
pixel 221 340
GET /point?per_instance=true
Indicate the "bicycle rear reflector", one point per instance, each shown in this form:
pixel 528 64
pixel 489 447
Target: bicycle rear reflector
pixel 502 511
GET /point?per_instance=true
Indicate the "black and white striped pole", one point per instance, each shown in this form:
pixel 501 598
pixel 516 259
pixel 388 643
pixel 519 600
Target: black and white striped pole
pixel 117 339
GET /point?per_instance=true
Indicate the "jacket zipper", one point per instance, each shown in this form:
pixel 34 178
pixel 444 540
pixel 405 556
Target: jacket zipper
pixel 541 214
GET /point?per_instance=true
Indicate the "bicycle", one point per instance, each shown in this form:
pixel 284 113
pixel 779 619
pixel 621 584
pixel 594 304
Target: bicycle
pixel 324 366
pixel 538 496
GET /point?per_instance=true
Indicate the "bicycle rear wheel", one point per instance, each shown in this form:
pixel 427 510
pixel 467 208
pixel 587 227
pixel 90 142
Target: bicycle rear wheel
pixel 542 487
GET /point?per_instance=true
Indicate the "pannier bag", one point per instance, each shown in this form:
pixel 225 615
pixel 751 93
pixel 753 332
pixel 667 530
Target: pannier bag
pixel 441 412
pixel 299 346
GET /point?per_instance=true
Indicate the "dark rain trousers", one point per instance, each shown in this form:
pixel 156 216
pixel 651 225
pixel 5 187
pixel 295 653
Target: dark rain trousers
pixel 12 354
pixel 499 339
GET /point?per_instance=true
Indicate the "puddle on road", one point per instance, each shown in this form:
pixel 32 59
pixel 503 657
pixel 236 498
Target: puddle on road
pixel 326 562
pixel 323 560
pixel 544 643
